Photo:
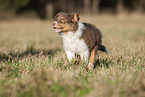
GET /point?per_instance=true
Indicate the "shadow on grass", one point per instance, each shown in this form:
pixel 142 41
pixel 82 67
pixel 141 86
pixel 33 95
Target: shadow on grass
pixel 30 51
pixel 102 63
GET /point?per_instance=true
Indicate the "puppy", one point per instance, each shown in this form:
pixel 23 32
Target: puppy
pixel 78 38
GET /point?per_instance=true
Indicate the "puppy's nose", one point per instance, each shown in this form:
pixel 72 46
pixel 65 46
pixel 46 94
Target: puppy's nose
pixel 54 23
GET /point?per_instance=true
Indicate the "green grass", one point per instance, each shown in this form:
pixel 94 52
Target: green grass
pixel 33 63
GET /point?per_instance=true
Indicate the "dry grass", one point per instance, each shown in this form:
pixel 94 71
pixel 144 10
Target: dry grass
pixel 33 63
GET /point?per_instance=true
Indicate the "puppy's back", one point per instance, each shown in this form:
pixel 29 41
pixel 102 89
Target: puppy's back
pixel 92 36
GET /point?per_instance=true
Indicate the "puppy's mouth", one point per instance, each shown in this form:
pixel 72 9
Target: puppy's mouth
pixel 57 29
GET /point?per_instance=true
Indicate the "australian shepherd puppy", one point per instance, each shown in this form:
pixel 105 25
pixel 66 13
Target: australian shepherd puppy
pixel 78 38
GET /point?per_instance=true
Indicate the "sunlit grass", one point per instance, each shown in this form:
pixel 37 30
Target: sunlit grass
pixel 33 63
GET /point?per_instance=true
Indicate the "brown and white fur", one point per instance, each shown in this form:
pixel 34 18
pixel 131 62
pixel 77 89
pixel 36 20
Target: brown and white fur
pixel 78 38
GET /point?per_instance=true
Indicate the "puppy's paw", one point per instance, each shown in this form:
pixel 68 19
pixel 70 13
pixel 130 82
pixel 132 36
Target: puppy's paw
pixel 90 66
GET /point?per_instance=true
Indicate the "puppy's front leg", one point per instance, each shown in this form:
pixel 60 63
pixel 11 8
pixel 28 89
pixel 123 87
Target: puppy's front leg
pixel 70 55
pixel 85 56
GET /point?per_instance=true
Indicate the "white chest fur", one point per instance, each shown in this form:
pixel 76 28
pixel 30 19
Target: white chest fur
pixel 74 45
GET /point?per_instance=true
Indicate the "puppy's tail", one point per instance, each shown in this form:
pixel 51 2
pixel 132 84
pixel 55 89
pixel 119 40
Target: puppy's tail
pixel 103 48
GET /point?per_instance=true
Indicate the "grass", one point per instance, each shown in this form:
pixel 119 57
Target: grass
pixel 33 63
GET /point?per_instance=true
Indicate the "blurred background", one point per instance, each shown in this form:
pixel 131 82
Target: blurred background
pixel 33 62
pixel 46 9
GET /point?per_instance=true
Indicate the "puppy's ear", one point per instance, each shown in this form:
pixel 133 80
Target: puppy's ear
pixel 57 15
pixel 75 18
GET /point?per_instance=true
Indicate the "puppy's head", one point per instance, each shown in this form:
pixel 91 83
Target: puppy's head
pixel 65 22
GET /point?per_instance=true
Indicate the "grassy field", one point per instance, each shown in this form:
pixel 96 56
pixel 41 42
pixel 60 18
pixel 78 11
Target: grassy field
pixel 33 63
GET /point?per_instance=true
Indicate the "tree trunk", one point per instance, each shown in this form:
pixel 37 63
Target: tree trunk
pixel 120 6
pixel 49 9
pixel 71 6
pixel 87 7
pixel 95 6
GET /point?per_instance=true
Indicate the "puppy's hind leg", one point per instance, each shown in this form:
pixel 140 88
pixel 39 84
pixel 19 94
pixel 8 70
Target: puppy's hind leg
pixel 92 58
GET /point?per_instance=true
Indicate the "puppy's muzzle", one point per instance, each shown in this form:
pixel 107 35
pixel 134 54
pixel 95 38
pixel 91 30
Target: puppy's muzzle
pixel 54 24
